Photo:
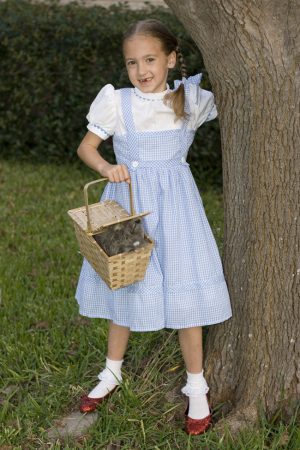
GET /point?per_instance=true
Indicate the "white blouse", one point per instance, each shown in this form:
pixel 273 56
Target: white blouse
pixel 149 112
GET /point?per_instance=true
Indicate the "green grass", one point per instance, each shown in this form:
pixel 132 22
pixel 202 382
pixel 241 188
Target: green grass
pixel 50 356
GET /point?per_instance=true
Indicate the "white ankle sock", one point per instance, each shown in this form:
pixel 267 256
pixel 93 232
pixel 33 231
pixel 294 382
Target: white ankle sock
pixel 110 377
pixel 196 389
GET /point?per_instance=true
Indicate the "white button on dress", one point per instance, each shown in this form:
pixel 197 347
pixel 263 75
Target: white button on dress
pixel 135 163
pixel 183 159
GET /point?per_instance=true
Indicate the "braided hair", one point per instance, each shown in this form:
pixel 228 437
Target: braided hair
pixel 155 28
pixel 181 61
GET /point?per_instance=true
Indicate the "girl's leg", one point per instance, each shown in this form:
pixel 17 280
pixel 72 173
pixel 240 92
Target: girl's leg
pixel 111 376
pixel 117 341
pixel 190 340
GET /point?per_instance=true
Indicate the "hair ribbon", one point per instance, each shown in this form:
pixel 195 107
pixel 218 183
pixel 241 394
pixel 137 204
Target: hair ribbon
pixel 195 79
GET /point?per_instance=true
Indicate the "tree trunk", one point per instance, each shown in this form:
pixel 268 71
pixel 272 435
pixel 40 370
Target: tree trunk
pixel 251 52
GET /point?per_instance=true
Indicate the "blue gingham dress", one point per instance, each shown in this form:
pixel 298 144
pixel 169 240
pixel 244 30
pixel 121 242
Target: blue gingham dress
pixel 184 285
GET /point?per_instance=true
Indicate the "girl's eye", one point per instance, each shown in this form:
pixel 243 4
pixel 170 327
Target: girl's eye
pixel 150 59
pixel 130 63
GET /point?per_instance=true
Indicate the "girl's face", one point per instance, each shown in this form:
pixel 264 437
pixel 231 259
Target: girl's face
pixel 146 63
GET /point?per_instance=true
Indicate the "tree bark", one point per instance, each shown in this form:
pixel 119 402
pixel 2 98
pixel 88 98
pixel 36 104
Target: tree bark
pixel 251 50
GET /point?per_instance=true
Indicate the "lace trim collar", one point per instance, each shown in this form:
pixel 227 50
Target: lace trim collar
pixel 149 96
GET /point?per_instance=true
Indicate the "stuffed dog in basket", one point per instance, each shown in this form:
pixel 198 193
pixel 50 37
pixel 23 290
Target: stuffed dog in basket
pixel 122 237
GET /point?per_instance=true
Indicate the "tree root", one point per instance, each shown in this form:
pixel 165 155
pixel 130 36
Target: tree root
pixel 236 420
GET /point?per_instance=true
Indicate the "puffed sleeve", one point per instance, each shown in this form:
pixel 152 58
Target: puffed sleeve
pixel 203 107
pixel 102 116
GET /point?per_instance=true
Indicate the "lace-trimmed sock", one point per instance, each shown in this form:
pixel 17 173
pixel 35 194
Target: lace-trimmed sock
pixel 196 389
pixel 108 379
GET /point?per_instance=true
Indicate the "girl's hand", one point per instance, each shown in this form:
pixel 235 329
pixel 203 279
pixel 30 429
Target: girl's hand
pixel 115 173
pixel 88 152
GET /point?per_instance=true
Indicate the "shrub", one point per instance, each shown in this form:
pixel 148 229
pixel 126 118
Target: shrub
pixel 56 58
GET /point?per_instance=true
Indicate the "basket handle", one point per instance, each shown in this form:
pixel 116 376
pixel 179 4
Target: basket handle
pixel 89 228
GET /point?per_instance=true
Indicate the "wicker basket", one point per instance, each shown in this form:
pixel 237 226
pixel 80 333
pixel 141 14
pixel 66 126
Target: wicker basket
pixel 119 270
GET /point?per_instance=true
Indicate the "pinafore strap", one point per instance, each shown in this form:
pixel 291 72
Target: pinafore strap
pixel 132 140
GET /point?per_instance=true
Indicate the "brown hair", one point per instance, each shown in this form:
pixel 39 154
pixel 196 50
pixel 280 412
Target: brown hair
pixel 169 43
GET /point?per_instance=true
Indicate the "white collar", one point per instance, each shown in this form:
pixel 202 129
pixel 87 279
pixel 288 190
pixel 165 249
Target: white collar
pixel 155 96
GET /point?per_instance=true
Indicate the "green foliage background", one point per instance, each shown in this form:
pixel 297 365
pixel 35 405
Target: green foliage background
pixel 54 61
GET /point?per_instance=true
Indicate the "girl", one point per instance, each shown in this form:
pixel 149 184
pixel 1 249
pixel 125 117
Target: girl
pixel 184 287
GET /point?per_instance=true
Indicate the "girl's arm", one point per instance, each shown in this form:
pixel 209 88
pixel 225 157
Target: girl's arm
pixel 87 151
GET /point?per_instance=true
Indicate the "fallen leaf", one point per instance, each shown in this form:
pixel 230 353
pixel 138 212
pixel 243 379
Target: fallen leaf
pixel 111 406
pixel 284 438
pixel 11 203
pixel 115 445
pixel 60 424
pixel 25 444
pixel 34 285
pixel 48 218
pixel 171 370
pixel 72 352
pixel 153 412
pixel 84 436
pixel 12 246
pixel 42 324
pixel 5 447
pixel 7 390
pixel 26 211
pixel 23 234
pixel 34 273
pixel 79 320
pixel 12 423
pixel 83 322
pixel 2 231
pixel 170 416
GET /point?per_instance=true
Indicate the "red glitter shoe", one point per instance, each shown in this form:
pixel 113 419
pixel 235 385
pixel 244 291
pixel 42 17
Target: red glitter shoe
pixel 90 404
pixel 197 426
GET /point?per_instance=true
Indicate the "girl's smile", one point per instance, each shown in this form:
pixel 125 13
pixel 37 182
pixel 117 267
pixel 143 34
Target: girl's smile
pixel 145 81
pixel 147 65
